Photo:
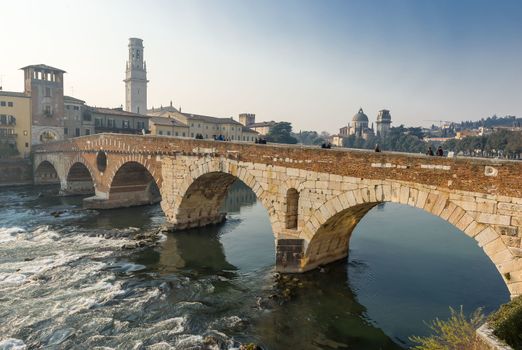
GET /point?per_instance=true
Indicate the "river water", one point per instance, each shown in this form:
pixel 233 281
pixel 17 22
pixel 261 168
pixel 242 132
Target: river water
pixel 74 280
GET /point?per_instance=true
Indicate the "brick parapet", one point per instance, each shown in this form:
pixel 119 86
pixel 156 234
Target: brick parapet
pixel 484 176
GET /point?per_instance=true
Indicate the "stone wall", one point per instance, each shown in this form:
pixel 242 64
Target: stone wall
pixel 15 172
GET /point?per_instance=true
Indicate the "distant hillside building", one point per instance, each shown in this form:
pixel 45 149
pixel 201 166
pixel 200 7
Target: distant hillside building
pixel 360 127
pixel 136 79
pixel 45 86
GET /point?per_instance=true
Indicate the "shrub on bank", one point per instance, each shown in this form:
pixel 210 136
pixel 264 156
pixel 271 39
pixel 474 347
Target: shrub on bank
pixel 455 333
pixel 507 323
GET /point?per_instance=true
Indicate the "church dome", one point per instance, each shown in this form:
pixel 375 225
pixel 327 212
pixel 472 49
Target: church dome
pixel 360 117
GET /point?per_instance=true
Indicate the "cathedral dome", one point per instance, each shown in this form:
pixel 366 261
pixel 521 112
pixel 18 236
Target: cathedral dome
pixel 360 117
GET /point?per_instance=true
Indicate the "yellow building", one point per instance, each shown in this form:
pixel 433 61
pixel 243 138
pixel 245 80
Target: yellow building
pixel 15 122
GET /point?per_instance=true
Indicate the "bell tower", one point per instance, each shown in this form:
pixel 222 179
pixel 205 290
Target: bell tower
pixel 136 79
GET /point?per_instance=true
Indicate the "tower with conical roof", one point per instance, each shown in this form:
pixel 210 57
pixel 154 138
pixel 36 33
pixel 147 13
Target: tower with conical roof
pixel 136 78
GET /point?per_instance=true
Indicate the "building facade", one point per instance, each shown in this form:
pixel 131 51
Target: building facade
pixel 116 120
pixel 165 119
pixel 164 126
pixel 77 118
pixel 15 123
pixel 136 79
pixel 44 84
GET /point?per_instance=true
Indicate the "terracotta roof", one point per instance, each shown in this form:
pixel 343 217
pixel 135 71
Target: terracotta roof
pixel 44 66
pixel 167 122
pixel 116 111
pixel 13 94
pixel 208 119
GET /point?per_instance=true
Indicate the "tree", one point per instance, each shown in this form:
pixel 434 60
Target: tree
pixel 281 133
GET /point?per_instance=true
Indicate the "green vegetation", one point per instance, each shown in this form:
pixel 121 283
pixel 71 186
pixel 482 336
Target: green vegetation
pixel 399 139
pixel 456 333
pixel 503 144
pixel 281 133
pixel 311 137
pixel 507 322
pixel 492 121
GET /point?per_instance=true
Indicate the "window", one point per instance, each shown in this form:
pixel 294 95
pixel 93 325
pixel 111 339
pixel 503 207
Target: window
pixel 191 134
pixel 47 111
pixel 66 131
pixel 183 134
pixel 160 132
pixel 168 133
pixel 67 107
pixel 47 92
pixel 27 145
pixel 9 104
pixel 110 123
pixel 125 124
pixel 192 125
pixel 206 126
pixel 77 132
pixel 98 122
pixel 87 131
pixel 177 133
pixel 2 103
pixel 76 108
pixel 140 125
pixel 199 125
pixel 206 136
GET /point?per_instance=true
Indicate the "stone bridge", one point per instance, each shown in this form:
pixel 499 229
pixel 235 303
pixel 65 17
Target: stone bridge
pixel 314 197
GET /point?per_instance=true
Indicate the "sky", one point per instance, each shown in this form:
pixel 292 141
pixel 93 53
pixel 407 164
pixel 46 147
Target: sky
pixel 312 63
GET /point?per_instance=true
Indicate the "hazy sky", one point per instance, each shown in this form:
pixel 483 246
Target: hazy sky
pixel 313 63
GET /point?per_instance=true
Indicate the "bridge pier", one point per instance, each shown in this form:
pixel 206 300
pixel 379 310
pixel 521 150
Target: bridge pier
pixel 132 196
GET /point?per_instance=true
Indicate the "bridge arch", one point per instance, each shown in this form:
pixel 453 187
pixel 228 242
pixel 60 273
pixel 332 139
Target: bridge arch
pixel 197 199
pixel 132 183
pixel 46 173
pixel 328 230
pixel 79 179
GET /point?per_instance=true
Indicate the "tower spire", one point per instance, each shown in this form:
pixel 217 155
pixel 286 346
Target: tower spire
pixel 136 78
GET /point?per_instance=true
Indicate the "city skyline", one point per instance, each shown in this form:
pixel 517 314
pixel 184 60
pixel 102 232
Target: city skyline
pixel 313 64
